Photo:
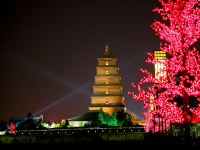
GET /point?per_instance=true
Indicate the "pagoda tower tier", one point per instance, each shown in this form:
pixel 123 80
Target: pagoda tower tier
pixel 107 90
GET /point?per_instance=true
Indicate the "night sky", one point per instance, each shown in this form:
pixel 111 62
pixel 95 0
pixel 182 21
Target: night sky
pixel 49 51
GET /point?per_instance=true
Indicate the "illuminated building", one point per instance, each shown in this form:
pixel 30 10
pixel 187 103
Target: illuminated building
pixel 160 66
pixel 160 76
pixel 107 90
pixel 160 71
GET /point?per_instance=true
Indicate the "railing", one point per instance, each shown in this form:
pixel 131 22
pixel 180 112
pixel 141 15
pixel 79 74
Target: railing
pixel 78 131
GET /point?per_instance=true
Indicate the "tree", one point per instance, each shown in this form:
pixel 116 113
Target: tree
pixel 12 127
pixel 129 120
pixel 29 115
pixel 25 123
pixel 133 119
pixel 176 95
pixel 3 125
pixel 64 123
pixel 121 117
pixel 104 118
pixel 113 120
pixel 12 119
pixel 107 120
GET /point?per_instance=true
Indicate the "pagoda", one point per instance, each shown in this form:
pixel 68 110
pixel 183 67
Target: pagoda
pixel 107 90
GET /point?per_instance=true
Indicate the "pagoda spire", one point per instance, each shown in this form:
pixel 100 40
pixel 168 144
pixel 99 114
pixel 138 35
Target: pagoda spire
pixel 107 50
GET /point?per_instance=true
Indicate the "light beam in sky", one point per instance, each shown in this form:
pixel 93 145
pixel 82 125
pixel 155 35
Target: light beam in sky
pixel 64 98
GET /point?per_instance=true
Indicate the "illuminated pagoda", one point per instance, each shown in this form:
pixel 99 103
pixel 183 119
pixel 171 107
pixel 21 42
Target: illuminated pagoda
pixel 107 90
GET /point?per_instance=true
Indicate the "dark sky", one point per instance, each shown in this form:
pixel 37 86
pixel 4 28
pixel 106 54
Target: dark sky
pixel 49 51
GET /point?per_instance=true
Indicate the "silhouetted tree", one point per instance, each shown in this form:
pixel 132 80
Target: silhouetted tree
pixel 3 125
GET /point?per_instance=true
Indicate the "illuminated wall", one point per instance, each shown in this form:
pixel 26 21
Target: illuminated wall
pixel 78 123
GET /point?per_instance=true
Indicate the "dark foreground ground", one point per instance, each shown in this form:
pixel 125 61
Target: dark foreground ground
pixel 132 141
pixel 103 145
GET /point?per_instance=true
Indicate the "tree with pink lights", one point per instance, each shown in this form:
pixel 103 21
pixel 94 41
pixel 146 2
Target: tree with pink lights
pixel 176 96
pixel 12 127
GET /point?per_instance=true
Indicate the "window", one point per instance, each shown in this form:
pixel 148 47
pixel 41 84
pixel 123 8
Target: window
pixel 107 91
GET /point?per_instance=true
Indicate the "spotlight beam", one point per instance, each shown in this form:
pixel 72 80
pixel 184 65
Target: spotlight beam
pixel 64 98
pixel 50 75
